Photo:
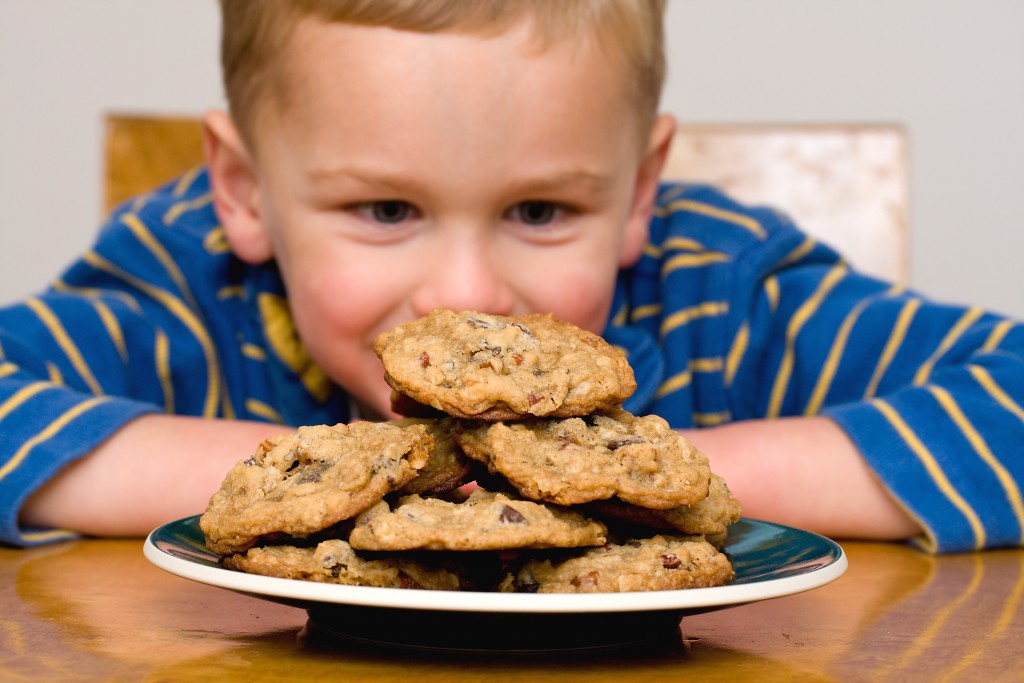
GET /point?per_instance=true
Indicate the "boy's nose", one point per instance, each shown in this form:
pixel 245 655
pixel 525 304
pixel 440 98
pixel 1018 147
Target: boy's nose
pixel 466 276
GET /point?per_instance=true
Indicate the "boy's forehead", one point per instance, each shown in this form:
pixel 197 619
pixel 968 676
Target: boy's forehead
pixel 323 56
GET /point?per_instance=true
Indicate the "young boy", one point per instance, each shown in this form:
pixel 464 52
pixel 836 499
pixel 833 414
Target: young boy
pixel 384 158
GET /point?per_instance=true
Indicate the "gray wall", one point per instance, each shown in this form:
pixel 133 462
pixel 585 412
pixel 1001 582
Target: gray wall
pixel 950 71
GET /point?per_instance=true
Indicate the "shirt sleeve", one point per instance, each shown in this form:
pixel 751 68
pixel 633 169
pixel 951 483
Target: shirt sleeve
pixel 119 335
pixel 930 393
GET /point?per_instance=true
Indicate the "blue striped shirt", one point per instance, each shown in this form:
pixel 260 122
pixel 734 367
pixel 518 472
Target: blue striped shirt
pixel 731 314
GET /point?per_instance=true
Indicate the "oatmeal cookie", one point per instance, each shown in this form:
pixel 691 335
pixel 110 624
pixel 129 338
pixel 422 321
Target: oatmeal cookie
pixel 448 467
pixel 710 517
pixel 640 460
pixel 334 561
pixel 484 521
pixel 300 483
pixel 650 564
pixel 489 367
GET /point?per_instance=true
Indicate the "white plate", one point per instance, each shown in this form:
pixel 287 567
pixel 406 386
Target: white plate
pixel 770 560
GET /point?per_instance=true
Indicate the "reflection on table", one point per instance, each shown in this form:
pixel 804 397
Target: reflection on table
pixel 97 609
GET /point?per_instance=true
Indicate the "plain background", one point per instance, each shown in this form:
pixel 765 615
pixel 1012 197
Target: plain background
pixel 950 71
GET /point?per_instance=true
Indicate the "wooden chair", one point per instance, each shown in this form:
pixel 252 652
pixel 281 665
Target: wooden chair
pixel 845 185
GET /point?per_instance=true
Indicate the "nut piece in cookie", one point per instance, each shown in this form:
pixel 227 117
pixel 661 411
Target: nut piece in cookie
pixel 484 521
pixel 298 484
pixel 489 367
pixel 334 561
pixel 710 517
pixel 640 460
pixel 650 564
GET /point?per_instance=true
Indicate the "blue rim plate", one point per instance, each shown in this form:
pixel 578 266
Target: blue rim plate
pixel 770 560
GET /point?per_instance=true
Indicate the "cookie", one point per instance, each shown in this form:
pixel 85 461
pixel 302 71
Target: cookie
pixel 488 367
pixel 334 561
pixel 298 484
pixel 710 517
pixel 484 521
pixel 448 467
pixel 639 460
pixel 650 564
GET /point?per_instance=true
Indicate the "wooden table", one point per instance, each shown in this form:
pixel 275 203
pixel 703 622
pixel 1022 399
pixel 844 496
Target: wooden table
pixel 98 610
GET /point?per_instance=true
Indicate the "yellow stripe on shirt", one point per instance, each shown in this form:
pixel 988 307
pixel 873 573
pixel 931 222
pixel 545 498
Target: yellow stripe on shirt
pixel 931 465
pixel 66 344
pixel 980 447
pixel 180 311
pixel 48 433
pixel 22 395
pixel 692 261
pixel 970 316
pixel 691 206
pixel 263 410
pixel 981 375
pixel 736 352
pixel 176 210
pixel 708 309
pixel 899 333
pixel 185 182
pixel 999 333
pixel 110 322
pixel 648 311
pixel 796 323
pixel 162 362
pixel 144 235
pixel 835 354
pixel 682 243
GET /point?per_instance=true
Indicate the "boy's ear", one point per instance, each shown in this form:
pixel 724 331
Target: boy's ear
pixel 235 188
pixel 647 180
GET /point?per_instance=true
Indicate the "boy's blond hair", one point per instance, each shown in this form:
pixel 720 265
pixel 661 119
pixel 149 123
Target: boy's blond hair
pixel 255 32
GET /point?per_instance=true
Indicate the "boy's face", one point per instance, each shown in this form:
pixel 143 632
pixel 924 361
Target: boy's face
pixel 407 171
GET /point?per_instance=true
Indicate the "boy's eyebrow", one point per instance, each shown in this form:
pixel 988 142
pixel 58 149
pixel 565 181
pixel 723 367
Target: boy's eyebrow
pixel 574 179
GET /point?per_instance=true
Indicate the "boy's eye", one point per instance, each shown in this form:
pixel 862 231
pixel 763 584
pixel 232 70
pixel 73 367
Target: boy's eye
pixel 535 212
pixel 388 211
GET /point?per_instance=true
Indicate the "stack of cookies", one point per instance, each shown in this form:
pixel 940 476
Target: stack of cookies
pixel 573 493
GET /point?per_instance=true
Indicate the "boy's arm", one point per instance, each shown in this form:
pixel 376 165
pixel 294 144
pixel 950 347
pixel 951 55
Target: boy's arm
pixel 804 472
pixel 114 492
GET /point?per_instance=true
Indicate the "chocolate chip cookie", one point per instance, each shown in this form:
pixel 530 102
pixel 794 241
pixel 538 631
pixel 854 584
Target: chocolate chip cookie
pixel 448 467
pixel 639 460
pixel 709 517
pixel 334 561
pixel 649 564
pixel 489 367
pixel 298 484
pixel 483 521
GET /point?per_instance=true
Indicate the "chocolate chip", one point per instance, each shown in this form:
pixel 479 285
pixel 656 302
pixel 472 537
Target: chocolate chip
pixel 524 329
pixel 511 516
pixel 424 360
pixel 526 587
pixel 313 472
pixel 619 443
